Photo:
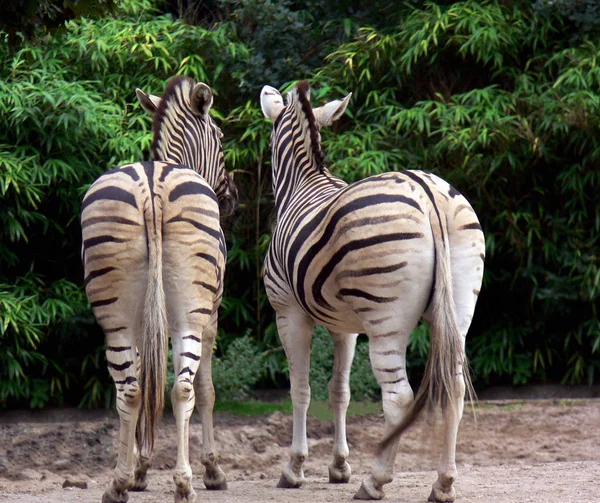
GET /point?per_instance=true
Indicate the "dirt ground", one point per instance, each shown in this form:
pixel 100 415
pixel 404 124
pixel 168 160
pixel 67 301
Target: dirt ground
pixel 517 451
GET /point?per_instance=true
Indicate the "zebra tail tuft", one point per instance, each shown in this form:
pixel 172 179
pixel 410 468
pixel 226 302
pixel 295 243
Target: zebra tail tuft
pixel 154 337
pixel 439 386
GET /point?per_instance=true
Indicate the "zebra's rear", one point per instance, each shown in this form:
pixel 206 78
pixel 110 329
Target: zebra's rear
pixel 372 257
pixel 154 258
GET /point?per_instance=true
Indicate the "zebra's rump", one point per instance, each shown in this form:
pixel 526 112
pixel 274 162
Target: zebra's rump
pixel 130 207
pixel 370 244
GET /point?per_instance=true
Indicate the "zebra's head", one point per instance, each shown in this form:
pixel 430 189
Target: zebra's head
pixel 298 113
pixel 185 133
pixel 296 153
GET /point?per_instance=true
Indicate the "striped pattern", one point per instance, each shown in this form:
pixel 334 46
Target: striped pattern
pixel 154 257
pixel 372 257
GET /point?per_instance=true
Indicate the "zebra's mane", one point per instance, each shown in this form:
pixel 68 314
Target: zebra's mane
pixel 303 89
pixel 177 85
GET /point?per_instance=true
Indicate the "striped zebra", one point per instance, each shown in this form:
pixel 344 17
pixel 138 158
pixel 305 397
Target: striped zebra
pixel 372 257
pixel 154 256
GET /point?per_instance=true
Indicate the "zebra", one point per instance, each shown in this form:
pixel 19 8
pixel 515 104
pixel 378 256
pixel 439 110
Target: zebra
pixel 371 257
pixel 154 257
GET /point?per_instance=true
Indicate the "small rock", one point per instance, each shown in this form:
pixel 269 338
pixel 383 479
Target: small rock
pixel 81 484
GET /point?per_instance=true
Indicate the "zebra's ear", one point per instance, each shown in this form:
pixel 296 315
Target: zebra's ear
pixel 331 112
pixel 271 102
pixel 149 102
pixel 201 99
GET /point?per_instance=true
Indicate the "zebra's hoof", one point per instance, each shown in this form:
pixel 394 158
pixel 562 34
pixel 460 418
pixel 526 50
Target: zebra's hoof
pixel 368 491
pixel 112 496
pixel 285 483
pixel 216 481
pixel 439 496
pixel 188 497
pixel 140 484
pixel 339 475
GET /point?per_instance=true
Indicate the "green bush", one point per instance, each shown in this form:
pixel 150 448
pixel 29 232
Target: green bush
pixel 238 370
pixel 499 98
pixel 363 385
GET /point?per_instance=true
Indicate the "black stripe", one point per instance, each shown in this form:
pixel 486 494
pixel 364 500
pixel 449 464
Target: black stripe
pixel 116 366
pixel 104 302
pixel 427 190
pixel 109 193
pixel 433 281
pixel 98 240
pixel 452 192
pixel 114 330
pixel 375 270
pixel 107 219
pixel 207 257
pixel 191 356
pixel 201 310
pixel 393 382
pixel 118 349
pixel 387 334
pixel 149 170
pixel 166 170
pixel 131 171
pixel 215 233
pixel 193 337
pixel 188 370
pixel 97 273
pixel 210 288
pixel 190 188
pixel 127 380
pixel 474 225
pixel 388 370
pixel 355 292
pixel 127 169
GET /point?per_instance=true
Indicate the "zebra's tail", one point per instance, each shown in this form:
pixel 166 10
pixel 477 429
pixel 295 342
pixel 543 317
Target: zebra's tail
pixel 154 342
pixel 439 385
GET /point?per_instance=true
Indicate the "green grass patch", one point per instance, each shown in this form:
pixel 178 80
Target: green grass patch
pixel 254 407
pixel 319 409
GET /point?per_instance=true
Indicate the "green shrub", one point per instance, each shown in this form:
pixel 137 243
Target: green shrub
pixel 238 370
pixel 363 385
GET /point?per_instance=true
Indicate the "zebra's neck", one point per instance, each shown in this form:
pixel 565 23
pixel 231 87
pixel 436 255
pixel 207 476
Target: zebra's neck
pixel 193 158
pixel 312 187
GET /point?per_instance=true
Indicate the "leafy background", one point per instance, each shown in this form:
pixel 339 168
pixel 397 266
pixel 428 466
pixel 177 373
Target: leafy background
pixel 499 97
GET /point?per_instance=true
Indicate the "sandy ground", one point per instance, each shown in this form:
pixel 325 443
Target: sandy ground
pixel 518 451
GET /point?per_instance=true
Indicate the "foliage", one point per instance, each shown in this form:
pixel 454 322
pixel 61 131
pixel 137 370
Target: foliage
pixel 28 311
pixel 238 370
pixel 499 98
pixel 518 135
pixel 65 106
pixel 583 15
pixel 363 385
pixel 31 18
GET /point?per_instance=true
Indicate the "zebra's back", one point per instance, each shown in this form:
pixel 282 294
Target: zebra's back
pixel 363 246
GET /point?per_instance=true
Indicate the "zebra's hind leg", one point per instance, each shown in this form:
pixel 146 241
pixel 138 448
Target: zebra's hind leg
pixel 467 253
pixel 121 362
pixel 186 355
pixel 387 351
pixel 214 477
pixel 339 398
pixel 144 457
pixel 295 332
